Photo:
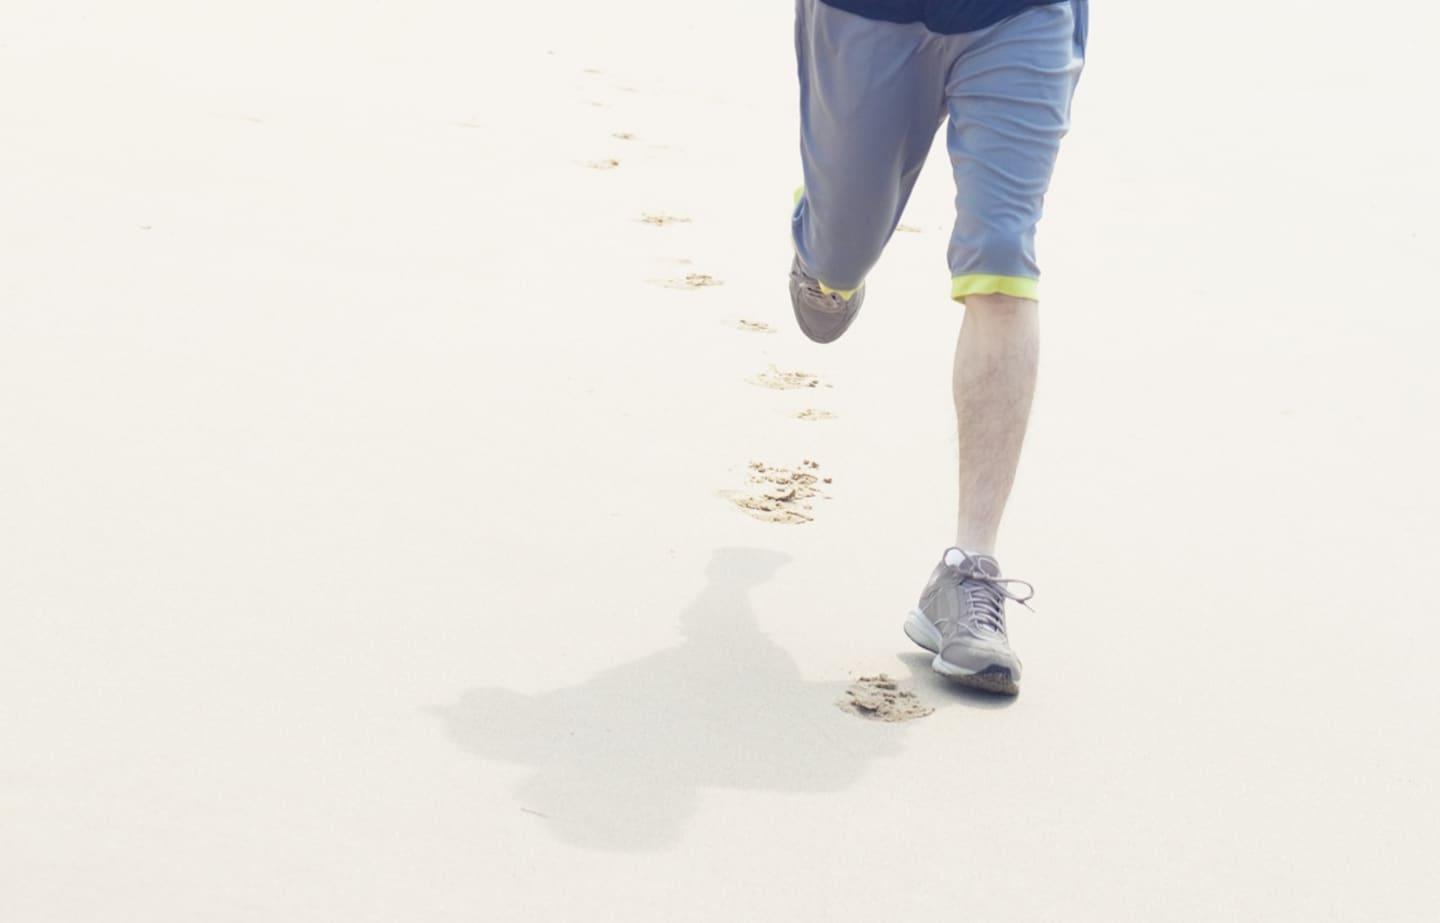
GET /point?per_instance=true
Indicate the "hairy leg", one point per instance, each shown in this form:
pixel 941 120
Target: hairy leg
pixel 995 365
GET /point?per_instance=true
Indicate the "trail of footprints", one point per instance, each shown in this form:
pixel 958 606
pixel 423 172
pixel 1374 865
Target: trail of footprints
pixel 783 494
pixel 772 493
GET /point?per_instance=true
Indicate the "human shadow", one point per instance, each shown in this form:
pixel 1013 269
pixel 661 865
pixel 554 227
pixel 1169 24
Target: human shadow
pixel 619 761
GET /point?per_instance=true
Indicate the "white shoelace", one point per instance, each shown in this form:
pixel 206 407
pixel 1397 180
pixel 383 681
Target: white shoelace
pixel 986 595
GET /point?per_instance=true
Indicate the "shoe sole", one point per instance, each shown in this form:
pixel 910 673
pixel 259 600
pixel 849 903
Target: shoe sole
pixel 994 678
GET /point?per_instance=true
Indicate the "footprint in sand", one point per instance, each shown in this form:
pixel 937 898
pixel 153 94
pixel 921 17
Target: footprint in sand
pixel 880 698
pixel 607 163
pixel 622 136
pixel 692 280
pixel 777 494
pixel 810 413
pixel 754 326
pixel 786 381
pixel 907 228
pixel 660 219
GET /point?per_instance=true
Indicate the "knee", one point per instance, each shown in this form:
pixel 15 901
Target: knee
pixel 1007 246
pixel 839 250
pixel 1003 315
pixel 1001 306
pixel 998 261
pixel 839 261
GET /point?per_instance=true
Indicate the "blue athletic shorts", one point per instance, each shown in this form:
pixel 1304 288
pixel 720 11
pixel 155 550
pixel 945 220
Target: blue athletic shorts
pixel 872 96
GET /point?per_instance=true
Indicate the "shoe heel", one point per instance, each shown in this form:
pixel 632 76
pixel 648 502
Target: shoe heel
pixel 919 630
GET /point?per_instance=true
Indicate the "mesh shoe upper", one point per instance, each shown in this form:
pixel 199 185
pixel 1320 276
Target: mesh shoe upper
pixel 965 601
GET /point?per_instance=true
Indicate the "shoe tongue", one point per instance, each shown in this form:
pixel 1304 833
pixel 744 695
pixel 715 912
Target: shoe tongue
pixel 981 564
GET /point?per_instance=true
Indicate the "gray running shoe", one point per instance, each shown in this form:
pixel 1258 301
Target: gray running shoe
pixel 961 620
pixel 822 317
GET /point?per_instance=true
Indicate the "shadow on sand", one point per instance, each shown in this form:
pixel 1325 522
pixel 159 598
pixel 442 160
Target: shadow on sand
pixel 940 692
pixel 619 761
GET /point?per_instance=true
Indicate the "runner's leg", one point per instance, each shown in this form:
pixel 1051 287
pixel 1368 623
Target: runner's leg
pixel 872 97
pixel 1009 103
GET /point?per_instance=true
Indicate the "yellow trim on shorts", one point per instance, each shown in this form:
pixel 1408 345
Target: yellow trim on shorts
pixel 799 191
pixel 1014 286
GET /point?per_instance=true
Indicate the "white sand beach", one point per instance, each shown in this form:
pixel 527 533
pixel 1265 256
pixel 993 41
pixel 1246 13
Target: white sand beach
pixel 417 504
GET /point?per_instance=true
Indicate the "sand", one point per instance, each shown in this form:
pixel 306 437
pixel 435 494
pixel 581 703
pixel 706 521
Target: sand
pixel 781 494
pixel 880 698
pixel 365 545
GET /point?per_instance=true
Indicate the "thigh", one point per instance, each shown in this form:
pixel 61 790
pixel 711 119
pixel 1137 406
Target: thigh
pixel 1008 96
pixel 872 96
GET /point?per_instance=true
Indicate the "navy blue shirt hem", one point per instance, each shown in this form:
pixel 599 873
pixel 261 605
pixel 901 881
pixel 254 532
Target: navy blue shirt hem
pixel 948 17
